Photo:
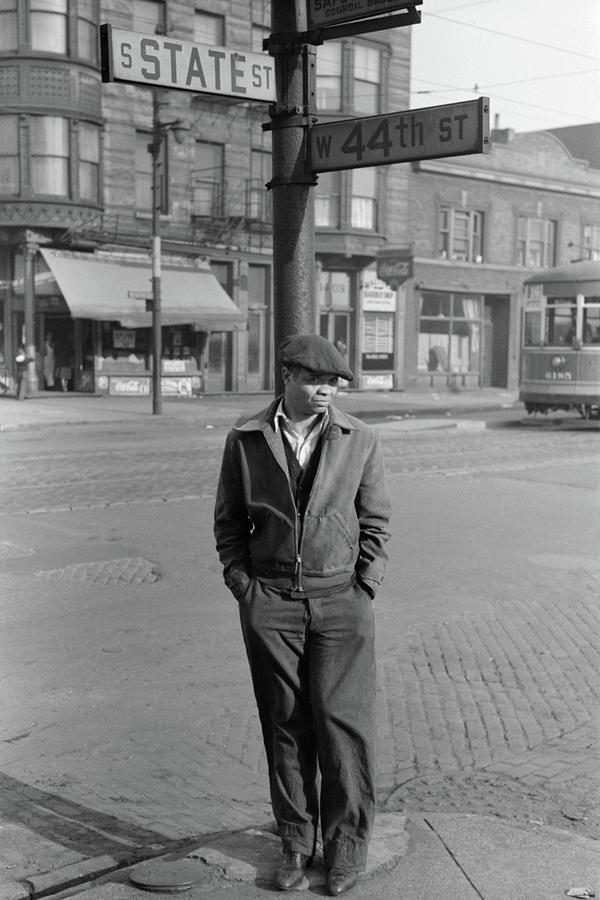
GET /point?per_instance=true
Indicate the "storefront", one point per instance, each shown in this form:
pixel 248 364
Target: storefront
pixel 109 301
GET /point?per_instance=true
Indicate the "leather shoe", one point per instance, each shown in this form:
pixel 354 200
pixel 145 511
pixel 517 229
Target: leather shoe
pixel 341 880
pixel 290 875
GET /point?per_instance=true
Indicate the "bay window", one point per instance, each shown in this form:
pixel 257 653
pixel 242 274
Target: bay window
pixel 8 25
pixel 364 198
pixel 49 26
pixel 9 155
pixel 49 136
pixel 367 80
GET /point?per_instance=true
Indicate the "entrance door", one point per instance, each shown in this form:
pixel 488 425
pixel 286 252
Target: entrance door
pixel 494 362
pixel 335 326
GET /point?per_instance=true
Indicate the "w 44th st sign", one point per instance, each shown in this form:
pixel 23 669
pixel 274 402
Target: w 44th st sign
pixel 455 129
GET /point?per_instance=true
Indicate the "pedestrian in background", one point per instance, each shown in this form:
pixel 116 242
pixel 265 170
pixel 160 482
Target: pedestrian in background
pixel 301 523
pixel 21 362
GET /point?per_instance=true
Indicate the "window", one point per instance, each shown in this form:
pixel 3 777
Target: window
pixel 461 234
pixel 258 304
pixel 364 198
pixel 209 29
pixel 327 200
pixel 536 240
pixel 50 155
pixel 329 76
pixel 259 202
pixel 450 328
pixel 89 162
pixel 87 32
pixel 207 179
pixel 591 241
pixel 334 290
pixel 143 174
pixel 149 16
pixel 367 80
pixel 259 33
pixel 9 155
pixel 49 25
pixel 8 25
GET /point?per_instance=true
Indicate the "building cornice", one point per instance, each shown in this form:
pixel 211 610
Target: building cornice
pixel 527 182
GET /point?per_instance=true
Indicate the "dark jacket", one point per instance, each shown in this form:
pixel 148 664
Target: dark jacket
pixel 259 530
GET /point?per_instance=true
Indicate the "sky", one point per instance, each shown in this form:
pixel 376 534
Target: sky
pixel 537 60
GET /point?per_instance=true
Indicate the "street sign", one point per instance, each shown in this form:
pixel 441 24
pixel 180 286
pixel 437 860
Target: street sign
pixel 332 12
pixel 454 129
pixel 160 61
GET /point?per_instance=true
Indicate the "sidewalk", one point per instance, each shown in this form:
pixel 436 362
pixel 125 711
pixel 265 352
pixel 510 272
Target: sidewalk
pixel 51 409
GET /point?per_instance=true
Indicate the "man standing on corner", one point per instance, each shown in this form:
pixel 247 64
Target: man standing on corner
pixel 301 523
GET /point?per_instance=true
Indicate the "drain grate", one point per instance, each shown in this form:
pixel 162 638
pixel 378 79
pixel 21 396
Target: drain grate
pixel 132 570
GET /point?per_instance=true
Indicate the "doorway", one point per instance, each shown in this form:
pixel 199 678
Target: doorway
pixel 494 360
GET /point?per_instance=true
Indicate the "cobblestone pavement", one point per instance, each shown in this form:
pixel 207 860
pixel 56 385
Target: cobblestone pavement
pixel 113 476
pixel 486 712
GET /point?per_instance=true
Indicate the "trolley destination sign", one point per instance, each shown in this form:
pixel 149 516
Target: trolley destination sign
pixel 455 129
pixel 161 61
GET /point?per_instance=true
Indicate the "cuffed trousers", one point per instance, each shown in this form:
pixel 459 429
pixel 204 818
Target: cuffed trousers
pixel 313 670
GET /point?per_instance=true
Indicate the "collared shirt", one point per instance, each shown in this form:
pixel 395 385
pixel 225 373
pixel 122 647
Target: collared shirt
pixel 301 444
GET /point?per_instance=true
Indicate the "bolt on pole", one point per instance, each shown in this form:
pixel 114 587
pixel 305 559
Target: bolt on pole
pixel 292 183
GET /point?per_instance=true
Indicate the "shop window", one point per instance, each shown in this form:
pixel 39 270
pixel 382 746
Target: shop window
pixel 367 80
pixel 364 198
pixel 87 30
pixel 450 328
pixel 536 242
pixel 207 179
pixel 209 29
pixel 149 16
pixel 329 76
pixel 49 26
pixel 461 234
pixel 9 155
pixel 334 290
pixel 591 241
pixel 8 25
pixel 89 162
pixel 49 137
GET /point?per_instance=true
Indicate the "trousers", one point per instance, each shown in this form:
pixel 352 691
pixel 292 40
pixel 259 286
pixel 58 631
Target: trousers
pixel 312 663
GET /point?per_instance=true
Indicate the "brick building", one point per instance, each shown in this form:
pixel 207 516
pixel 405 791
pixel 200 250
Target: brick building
pixel 478 224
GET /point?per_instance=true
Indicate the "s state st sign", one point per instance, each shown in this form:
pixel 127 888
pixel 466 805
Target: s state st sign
pixel 455 129
pixel 161 61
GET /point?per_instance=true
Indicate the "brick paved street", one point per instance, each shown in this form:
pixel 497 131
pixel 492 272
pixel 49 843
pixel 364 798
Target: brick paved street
pixel 487 696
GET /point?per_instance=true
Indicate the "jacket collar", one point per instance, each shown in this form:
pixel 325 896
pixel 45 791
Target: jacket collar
pixel 264 419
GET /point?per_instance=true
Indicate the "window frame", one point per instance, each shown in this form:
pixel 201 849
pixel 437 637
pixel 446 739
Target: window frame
pixel 9 156
pixel 9 15
pixel 448 218
pixel 39 19
pixel 217 183
pixel 63 158
pixel 525 242
pixel 217 40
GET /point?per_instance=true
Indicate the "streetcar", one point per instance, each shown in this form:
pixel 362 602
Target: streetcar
pixel 560 346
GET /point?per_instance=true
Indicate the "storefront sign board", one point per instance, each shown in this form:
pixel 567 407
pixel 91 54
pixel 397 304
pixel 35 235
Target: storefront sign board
pixel 454 129
pixel 158 60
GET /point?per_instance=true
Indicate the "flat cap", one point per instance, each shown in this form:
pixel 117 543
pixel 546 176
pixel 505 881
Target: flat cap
pixel 313 352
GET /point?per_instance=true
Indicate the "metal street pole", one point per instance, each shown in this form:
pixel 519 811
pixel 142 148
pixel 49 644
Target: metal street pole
pixel 155 149
pixel 291 184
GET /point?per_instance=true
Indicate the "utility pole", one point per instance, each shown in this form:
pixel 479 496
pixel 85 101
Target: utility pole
pixel 155 149
pixel 292 183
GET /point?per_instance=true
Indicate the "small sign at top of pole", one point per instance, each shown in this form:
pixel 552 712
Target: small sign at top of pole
pixel 323 13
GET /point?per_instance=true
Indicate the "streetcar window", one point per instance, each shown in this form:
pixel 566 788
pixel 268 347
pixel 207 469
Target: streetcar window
pixel 591 321
pixel 531 334
pixel 560 322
